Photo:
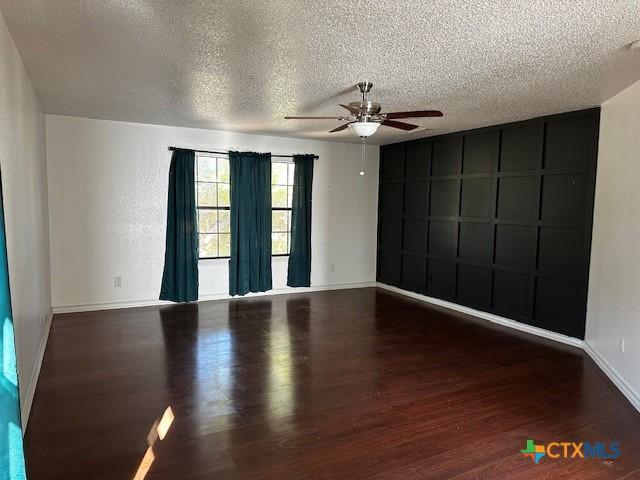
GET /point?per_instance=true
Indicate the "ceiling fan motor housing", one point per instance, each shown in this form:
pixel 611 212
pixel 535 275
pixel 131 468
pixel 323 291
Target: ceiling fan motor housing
pixel 366 107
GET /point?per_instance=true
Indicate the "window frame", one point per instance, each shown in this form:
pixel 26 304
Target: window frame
pixel 224 208
pixel 204 233
pixel 289 209
pixel 282 209
pixel 209 207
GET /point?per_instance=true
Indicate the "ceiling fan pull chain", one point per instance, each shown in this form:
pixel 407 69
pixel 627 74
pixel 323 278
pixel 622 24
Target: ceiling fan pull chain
pixel 362 167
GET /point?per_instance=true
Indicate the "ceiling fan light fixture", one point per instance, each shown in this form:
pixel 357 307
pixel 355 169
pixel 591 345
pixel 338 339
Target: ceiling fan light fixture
pixel 364 129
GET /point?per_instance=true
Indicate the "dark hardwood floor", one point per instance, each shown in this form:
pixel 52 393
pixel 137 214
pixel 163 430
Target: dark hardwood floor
pixel 330 385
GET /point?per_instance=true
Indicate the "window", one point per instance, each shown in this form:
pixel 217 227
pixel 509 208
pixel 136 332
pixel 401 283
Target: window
pixel 213 205
pixel 281 196
pixel 213 196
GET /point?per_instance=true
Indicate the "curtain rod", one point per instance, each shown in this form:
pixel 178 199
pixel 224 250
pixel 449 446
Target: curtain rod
pixel 315 157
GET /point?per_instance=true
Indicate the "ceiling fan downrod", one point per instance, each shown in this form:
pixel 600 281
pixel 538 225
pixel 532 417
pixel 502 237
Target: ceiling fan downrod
pixel 364 88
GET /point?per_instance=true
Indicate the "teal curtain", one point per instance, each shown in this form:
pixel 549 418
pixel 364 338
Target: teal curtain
pixel 180 277
pixel 299 271
pixel 250 263
pixel 11 449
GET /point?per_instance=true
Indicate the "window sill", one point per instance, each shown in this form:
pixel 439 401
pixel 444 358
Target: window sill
pixel 227 258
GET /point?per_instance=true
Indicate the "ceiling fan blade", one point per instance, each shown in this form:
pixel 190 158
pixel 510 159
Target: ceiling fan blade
pixel 400 125
pixel 355 111
pixel 421 129
pixel 315 118
pixel 341 127
pixel 414 114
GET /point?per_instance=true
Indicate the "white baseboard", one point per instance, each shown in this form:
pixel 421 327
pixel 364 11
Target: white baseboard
pixel 627 390
pixel 27 401
pixel 204 298
pixel 523 327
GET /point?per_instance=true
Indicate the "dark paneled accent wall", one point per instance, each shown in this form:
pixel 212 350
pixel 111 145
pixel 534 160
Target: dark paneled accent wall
pixel 498 219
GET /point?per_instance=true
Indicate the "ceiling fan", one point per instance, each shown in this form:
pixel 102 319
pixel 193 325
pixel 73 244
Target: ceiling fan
pixel 364 117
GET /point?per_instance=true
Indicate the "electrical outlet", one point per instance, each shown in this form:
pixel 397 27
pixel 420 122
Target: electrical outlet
pixel 332 268
pixel 117 282
pixel 622 344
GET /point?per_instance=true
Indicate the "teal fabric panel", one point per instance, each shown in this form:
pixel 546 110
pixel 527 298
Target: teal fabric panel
pixel 180 277
pixel 299 269
pixel 250 262
pixel 12 465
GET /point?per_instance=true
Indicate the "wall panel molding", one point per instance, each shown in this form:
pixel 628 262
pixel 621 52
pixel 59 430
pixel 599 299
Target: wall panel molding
pixel 497 219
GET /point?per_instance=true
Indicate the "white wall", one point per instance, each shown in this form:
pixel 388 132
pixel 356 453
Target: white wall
pixel 108 199
pixel 613 308
pixel 23 163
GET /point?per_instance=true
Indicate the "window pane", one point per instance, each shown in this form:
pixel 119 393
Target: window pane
pixel 207 221
pixel 279 196
pixel 207 194
pixel 225 245
pixel 223 194
pixel 278 173
pixel 208 245
pixel 223 170
pixel 206 169
pixel 279 221
pixel 289 196
pixel 224 225
pixel 291 168
pixel 278 243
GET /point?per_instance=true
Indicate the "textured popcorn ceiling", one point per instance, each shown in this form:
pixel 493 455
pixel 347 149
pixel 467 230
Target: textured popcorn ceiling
pixel 245 64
